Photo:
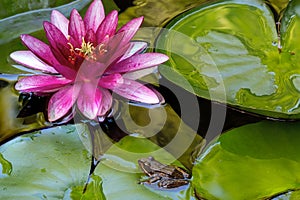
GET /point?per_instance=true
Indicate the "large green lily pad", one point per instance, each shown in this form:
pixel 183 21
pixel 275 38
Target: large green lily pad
pixel 256 161
pixel 54 164
pixel 230 52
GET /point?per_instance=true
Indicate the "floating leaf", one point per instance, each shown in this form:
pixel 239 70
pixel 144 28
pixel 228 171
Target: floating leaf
pixel 229 52
pixel 256 161
pixel 53 164
pixel 12 7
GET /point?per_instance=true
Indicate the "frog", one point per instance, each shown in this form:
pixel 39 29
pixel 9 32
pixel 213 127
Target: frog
pixel 166 176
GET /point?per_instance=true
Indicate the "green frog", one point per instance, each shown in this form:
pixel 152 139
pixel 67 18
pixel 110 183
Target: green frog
pixel 166 176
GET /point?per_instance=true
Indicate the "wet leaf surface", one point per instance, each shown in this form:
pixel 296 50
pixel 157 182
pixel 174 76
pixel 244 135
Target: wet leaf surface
pixel 229 52
pixel 53 164
pixel 252 162
pixel 256 161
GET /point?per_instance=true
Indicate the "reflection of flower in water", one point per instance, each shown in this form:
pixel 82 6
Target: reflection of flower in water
pixel 85 60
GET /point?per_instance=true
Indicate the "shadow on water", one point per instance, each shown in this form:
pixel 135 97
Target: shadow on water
pixel 233 118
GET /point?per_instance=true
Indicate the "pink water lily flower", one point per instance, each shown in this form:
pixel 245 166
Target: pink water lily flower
pixel 85 61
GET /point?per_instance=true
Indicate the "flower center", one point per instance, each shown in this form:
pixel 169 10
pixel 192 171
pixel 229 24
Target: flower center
pixel 86 48
pixel 86 51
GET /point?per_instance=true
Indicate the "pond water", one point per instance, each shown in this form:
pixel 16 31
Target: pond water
pixel 183 126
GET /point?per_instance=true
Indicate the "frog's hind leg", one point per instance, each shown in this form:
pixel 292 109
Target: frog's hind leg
pixel 150 180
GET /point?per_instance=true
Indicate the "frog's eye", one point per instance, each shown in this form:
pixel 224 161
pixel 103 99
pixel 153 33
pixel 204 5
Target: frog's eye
pixel 151 158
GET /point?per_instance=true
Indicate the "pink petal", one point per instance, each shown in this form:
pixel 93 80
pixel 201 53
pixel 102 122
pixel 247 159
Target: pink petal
pixel 108 26
pixel 40 49
pixel 134 48
pixel 28 59
pixel 106 103
pixel 136 91
pixel 60 21
pixel 61 102
pixel 90 36
pixel 58 42
pixel 76 28
pixel 110 81
pixel 60 49
pixel 66 71
pixel 41 83
pixel 139 61
pixel 111 50
pixel 130 29
pixel 66 60
pixel 61 54
pixel 54 35
pixel 90 71
pixel 94 15
pixel 89 100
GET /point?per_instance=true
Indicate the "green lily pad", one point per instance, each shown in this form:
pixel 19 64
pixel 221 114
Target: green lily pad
pixel 229 52
pixel 13 7
pixel 256 161
pixel 53 164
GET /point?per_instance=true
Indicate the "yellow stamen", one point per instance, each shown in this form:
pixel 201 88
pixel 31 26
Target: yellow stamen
pixel 86 51
pixel 101 49
pixel 86 48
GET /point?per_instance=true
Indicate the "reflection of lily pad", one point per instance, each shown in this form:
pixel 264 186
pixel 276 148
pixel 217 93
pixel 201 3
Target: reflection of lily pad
pixel 10 106
pixel 228 51
pixel 53 164
pixel 251 162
